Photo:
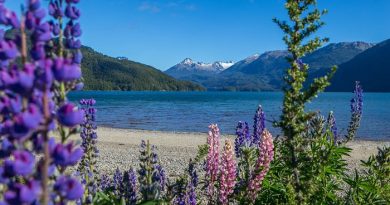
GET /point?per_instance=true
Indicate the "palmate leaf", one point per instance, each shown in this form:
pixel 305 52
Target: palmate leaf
pixel 106 198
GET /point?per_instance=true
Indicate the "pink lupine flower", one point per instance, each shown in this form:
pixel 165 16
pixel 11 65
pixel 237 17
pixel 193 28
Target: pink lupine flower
pixel 212 158
pixel 266 147
pixel 228 173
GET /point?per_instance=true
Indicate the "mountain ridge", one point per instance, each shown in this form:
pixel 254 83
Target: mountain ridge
pixel 264 72
pixel 371 68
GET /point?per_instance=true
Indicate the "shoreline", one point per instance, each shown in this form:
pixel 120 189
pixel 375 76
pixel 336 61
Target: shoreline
pixel 105 127
pixel 120 148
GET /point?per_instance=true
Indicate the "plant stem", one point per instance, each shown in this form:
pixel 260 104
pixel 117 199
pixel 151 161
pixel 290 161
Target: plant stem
pixel 24 41
pixel 46 151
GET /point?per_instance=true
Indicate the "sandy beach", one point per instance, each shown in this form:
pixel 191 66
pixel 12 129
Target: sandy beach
pixel 120 148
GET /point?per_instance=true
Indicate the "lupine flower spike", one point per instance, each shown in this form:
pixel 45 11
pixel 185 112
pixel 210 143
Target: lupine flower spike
pixel 191 194
pixel 259 125
pixel 117 181
pixel 228 173
pixel 192 184
pixel 332 126
pixel 130 187
pixel 356 111
pixel 87 167
pixel 34 81
pixel 212 163
pixel 266 155
pixel 152 177
pixel 243 138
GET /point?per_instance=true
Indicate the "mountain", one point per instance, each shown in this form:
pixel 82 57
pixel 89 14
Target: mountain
pixel 371 68
pixel 188 67
pixel 268 68
pixel 266 71
pixel 101 72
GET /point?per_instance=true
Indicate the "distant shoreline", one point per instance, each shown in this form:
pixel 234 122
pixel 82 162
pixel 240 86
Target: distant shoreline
pixel 184 133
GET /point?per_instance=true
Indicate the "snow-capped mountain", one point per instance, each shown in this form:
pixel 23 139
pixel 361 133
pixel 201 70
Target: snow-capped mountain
pixel 189 67
pixel 264 71
pixel 243 63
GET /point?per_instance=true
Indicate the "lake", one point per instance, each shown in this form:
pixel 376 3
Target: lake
pixel 194 111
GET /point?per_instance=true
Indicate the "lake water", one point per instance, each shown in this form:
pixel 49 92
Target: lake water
pixel 194 111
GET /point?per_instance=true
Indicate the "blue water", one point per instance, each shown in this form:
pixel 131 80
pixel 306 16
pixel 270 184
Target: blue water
pixel 194 111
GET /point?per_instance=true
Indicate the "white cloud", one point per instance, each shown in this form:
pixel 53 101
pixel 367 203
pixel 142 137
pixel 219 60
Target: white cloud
pixel 150 7
pixel 156 6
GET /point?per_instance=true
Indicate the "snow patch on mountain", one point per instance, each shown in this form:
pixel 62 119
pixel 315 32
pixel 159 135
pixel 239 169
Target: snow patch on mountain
pixel 189 65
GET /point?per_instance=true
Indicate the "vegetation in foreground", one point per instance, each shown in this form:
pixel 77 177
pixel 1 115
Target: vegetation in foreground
pixel 305 166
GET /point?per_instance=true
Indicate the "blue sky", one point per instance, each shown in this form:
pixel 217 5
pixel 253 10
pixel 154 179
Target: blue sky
pixel 161 33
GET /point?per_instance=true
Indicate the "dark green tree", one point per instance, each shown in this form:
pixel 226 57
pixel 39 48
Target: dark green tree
pixel 307 154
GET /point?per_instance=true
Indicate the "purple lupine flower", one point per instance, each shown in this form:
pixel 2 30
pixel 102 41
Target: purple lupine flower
pixel 26 193
pixel 65 155
pixel 32 117
pixel 160 176
pixel 180 199
pixel 34 4
pixel 20 81
pixel 72 12
pixel 30 101
pixel 68 115
pixel 6 148
pixel 266 155
pixel 242 137
pixel 357 100
pixel 55 9
pixel 150 169
pixel 22 163
pixel 66 70
pixel 69 188
pixel 356 111
pixel 117 180
pixel 8 17
pixel 87 167
pixel 45 76
pixel 42 33
pixel 8 50
pixel 104 182
pixel 130 187
pixel 72 43
pixel 258 126
pixel 76 30
pixel 227 178
pixel 192 173
pixel 77 57
pixel 38 51
pixel 19 129
pixel 180 192
pixel 332 126
pixel 55 28
pixel 212 162
pixel 191 194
